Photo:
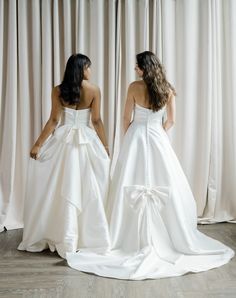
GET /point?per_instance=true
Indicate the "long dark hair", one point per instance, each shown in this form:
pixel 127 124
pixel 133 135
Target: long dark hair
pixel 154 77
pixel 73 77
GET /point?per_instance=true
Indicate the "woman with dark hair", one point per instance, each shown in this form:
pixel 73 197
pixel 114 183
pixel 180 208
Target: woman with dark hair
pixel 68 172
pixel 151 209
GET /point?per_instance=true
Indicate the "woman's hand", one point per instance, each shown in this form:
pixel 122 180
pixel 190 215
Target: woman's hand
pixel 34 152
pixel 167 125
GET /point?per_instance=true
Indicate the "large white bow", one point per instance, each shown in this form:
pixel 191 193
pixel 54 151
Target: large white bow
pixel 139 196
pixel 76 136
pixel 147 202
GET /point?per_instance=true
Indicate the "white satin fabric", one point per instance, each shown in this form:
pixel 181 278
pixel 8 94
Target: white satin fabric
pixel 151 212
pixel 66 190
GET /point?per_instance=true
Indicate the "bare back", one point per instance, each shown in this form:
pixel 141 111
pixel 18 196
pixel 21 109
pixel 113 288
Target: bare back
pixel 87 94
pixel 140 94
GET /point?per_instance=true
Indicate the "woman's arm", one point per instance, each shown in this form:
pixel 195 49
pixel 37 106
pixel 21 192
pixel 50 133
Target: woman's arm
pixel 129 106
pixel 96 118
pixel 50 125
pixel 170 109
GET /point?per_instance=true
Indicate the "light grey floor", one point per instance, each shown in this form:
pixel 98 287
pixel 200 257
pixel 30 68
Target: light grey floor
pixel 45 274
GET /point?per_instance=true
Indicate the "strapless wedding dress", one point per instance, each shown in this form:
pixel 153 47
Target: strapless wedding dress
pixel 151 212
pixel 67 189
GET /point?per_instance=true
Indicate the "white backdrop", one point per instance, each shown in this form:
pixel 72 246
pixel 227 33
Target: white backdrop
pixel 195 39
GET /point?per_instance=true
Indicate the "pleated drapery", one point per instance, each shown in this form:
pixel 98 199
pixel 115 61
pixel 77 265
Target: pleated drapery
pixel 196 41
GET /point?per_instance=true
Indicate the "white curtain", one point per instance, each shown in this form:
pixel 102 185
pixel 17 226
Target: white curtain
pixel 205 135
pixel 196 41
pixel 36 39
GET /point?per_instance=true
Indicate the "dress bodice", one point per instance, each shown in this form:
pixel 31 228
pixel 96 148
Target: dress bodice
pixel 75 118
pixel 142 114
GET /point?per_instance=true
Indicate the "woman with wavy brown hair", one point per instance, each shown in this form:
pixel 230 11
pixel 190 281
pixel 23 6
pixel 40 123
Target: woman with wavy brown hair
pixel 151 208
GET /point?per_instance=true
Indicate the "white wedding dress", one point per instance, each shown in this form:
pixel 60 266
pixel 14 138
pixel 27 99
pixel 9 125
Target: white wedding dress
pixel 151 212
pixel 66 190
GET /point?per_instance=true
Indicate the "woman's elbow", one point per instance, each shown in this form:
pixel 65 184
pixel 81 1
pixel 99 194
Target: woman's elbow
pixel 171 123
pixel 126 120
pixel 168 124
pixel 53 121
pixel 96 122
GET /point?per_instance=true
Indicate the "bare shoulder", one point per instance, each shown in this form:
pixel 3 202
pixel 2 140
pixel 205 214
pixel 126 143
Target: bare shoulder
pixel 56 94
pixel 133 86
pixel 171 98
pixel 171 95
pixel 56 99
pixel 136 84
pixel 91 87
pixel 56 91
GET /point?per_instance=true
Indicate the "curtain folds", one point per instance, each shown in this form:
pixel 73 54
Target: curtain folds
pixel 196 41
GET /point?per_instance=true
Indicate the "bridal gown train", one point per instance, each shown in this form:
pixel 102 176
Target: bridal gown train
pixel 66 190
pixel 151 212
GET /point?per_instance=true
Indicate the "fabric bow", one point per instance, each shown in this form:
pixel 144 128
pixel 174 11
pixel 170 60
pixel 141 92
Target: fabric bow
pixel 76 135
pixel 139 196
pixel 151 227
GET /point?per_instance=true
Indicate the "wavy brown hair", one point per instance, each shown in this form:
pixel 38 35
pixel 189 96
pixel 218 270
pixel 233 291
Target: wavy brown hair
pixel 155 78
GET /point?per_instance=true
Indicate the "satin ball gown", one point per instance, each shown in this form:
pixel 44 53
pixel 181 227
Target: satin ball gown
pixel 67 189
pixel 151 212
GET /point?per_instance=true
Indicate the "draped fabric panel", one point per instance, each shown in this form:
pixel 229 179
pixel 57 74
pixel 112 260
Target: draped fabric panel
pixel 196 41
